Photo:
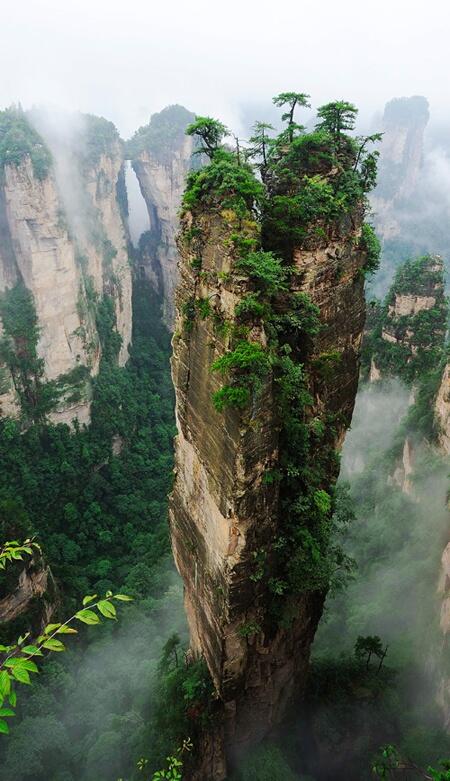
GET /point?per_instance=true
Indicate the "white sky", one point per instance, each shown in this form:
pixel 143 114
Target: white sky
pixel 125 59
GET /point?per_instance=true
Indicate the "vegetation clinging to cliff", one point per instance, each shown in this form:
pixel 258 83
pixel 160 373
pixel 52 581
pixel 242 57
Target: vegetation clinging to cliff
pixel 312 190
pixel 406 333
pixel 18 139
pixel 163 135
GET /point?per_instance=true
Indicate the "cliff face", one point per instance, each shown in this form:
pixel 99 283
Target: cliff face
pixel 161 158
pixel 406 334
pixel 226 509
pixel 65 267
pixel 442 411
pixel 404 123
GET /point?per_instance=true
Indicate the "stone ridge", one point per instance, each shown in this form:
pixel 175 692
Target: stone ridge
pixel 223 510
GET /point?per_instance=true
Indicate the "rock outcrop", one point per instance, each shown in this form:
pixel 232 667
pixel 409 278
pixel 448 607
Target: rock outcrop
pixel 63 237
pixel 161 156
pixel 405 335
pixel 34 588
pixel 442 411
pixel 226 510
pixel 404 123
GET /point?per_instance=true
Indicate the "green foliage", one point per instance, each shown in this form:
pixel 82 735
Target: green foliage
pixel 265 270
pixel 18 139
pixel 248 363
pixel 291 100
pixel 415 351
pixel 183 703
pixel 17 660
pixel 260 147
pixel 162 136
pixel 18 350
pixel 337 117
pixel 366 647
pixel 371 245
pixel 13 551
pixel 96 509
pixel 211 133
pixel 231 396
pixel 311 182
pixel 223 184
pixel 250 306
pixel 418 276
pixel 389 763
pixel 172 772
pixel 100 137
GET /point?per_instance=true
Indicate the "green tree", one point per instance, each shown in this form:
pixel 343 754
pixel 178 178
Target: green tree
pixel 291 100
pixel 366 647
pixel 211 133
pixel 337 117
pixel 260 145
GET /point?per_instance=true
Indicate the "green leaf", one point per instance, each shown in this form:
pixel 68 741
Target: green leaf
pixel 51 628
pixel 5 683
pixel 32 649
pixel 66 630
pixel 54 645
pixel 4 727
pixel 6 712
pixel 123 597
pixel 107 609
pixel 87 617
pixel 88 599
pixel 27 664
pixel 21 675
pixel 13 699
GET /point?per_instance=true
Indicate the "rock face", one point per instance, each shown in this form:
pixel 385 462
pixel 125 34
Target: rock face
pixel 406 334
pixel 161 157
pixel 404 123
pixel 224 511
pixel 35 584
pixel 442 411
pixel 67 269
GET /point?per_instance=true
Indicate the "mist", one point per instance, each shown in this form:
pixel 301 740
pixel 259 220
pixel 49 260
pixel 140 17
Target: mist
pixel 83 699
pixel 128 60
pixel 398 537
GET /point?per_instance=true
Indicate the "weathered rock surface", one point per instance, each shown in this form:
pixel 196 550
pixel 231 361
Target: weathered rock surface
pixel 442 411
pixel 161 166
pixel 223 512
pixel 404 123
pixel 62 269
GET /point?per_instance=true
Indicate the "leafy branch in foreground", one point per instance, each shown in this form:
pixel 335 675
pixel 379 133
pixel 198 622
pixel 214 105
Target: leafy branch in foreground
pixel 17 661
pixel 14 550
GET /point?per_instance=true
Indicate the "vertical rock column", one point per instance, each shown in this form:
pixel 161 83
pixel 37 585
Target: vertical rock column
pixel 225 511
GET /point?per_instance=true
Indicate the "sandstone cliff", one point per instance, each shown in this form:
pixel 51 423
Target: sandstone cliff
pixel 405 335
pixel 161 157
pixel 245 469
pixel 404 123
pixel 68 250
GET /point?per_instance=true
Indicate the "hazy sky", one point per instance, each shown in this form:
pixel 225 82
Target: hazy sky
pixel 127 59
